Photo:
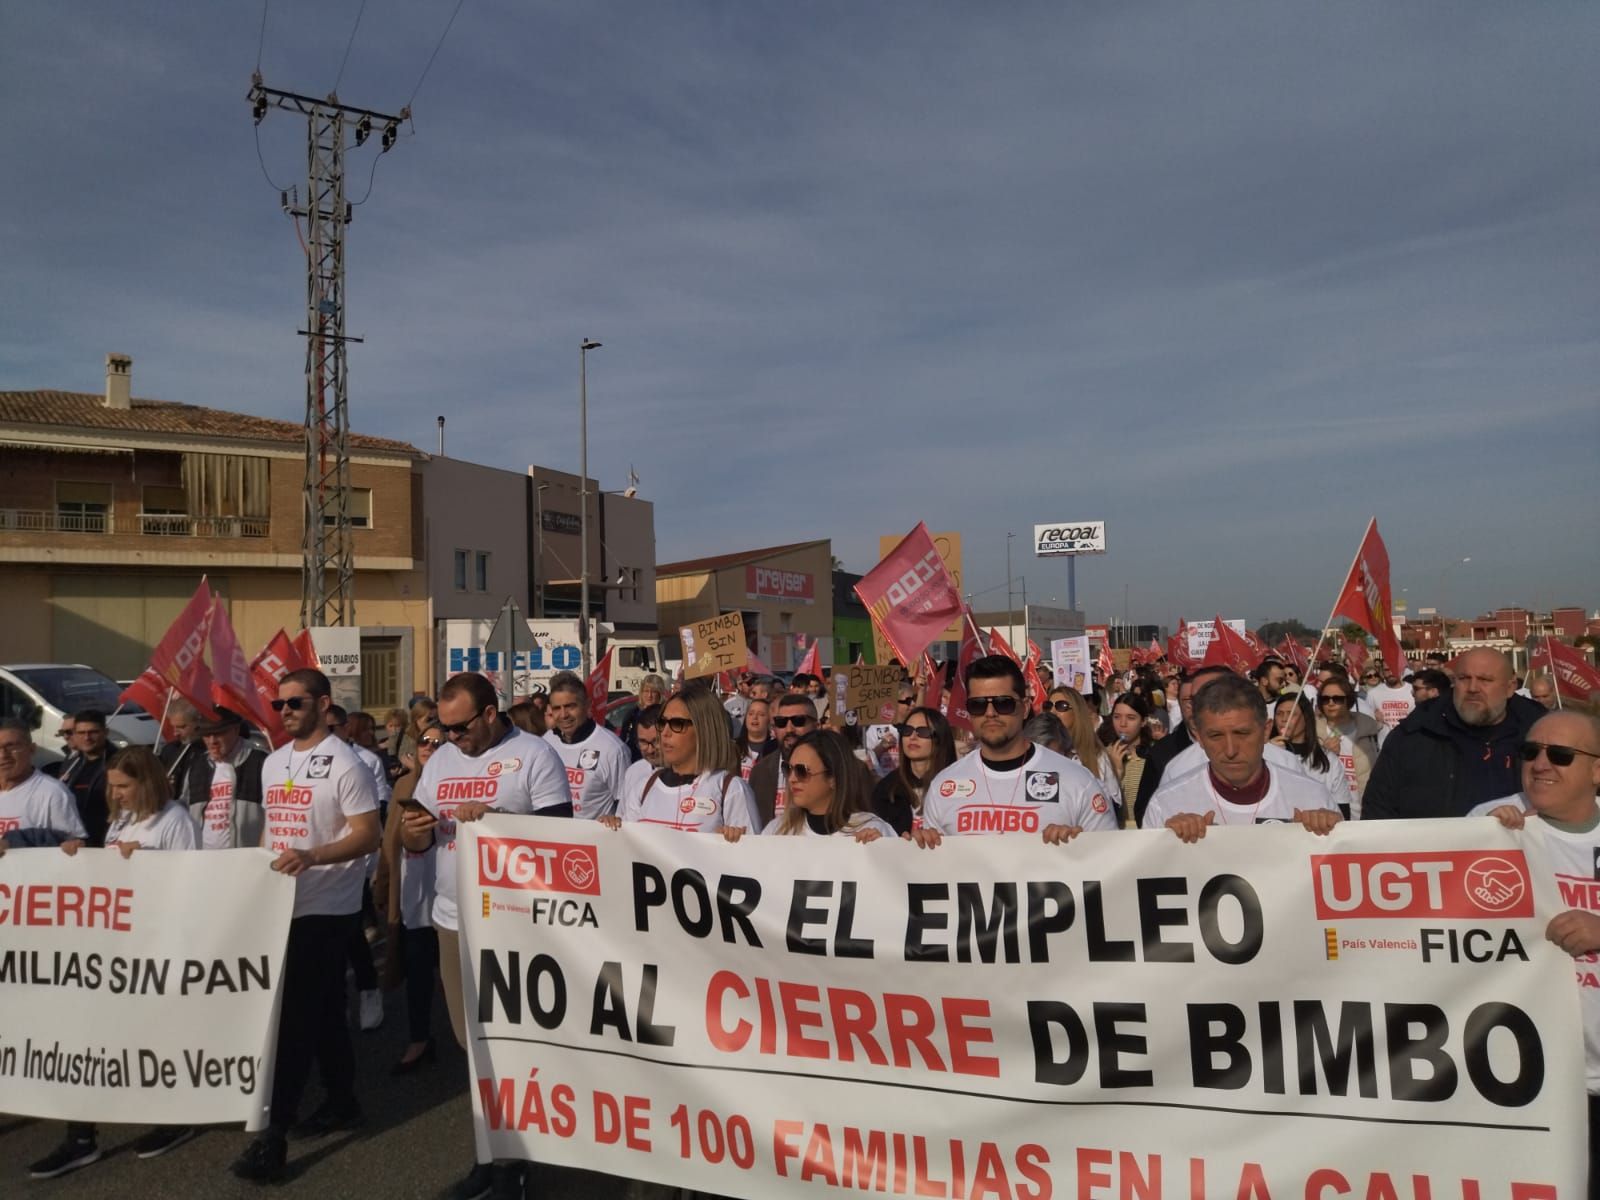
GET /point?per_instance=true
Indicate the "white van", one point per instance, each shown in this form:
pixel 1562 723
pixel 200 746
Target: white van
pixel 43 694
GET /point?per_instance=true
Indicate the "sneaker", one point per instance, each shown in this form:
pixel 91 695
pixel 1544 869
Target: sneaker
pixel 475 1186
pixel 328 1119
pixel 161 1139
pixel 263 1159
pixel 507 1181
pixel 69 1156
pixel 371 1009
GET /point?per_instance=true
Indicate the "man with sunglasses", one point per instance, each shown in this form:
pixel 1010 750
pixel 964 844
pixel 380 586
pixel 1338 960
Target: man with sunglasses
pixel 1447 758
pixel 794 714
pixel 1560 776
pixel 1009 784
pixel 487 765
pixel 322 823
pixel 595 759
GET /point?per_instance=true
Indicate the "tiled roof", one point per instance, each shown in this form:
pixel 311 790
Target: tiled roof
pixel 86 410
pixel 717 561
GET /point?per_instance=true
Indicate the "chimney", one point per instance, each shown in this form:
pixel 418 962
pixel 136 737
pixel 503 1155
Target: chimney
pixel 119 379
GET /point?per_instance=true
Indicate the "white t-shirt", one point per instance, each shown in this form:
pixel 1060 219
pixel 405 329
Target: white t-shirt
pixel 1516 799
pixel 39 802
pixel 1192 757
pixel 169 828
pixel 853 826
pixel 518 774
pixel 216 831
pixel 1287 792
pixel 309 796
pixel 698 806
pixel 1576 860
pixel 1390 705
pixel 968 797
pixel 382 788
pixel 595 769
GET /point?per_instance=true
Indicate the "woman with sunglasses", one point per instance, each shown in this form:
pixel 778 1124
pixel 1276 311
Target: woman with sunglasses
pixel 927 747
pixel 827 794
pixel 405 880
pixel 1293 725
pixel 1351 736
pixel 1087 739
pixel 697 788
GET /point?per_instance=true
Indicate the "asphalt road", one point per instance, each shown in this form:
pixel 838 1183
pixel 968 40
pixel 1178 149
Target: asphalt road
pixel 416 1142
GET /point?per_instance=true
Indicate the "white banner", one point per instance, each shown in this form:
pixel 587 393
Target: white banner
pixel 1266 1013
pixel 1202 633
pixel 140 990
pixel 1070 664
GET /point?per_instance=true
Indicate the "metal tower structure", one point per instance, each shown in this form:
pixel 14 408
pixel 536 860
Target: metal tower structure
pixel 327 591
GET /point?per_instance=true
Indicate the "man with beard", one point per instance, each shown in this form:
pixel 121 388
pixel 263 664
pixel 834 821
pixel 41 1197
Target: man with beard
pixel 794 715
pixel 1445 759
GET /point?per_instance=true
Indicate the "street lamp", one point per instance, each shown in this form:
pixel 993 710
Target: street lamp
pixel 1011 599
pixel 584 347
pixel 538 550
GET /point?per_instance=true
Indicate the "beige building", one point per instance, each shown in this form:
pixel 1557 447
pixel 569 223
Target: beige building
pixel 112 509
pixel 784 592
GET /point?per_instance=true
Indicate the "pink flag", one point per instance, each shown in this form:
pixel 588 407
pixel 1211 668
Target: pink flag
pixel 600 686
pixel 811 664
pixel 178 663
pixel 911 595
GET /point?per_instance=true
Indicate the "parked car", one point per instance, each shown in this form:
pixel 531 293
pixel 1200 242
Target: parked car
pixel 42 694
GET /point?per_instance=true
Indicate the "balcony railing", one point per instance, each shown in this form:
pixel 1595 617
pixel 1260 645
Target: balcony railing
pixel 49 520
pixel 183 525
pixel 37 520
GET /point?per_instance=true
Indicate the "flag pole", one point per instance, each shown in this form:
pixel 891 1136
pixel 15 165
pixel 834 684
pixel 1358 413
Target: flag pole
pixel 1555 679
pixel 162 724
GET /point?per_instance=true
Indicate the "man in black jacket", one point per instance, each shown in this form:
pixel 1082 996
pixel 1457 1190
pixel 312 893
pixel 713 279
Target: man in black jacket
pixel 1457 751
pixel 793 716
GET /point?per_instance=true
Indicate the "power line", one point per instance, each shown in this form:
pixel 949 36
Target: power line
pixel 262 40
pixel 263 163
pixel 435 53
pixel 347 46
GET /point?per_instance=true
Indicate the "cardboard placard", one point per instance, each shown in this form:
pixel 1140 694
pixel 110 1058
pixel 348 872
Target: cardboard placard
pixel 713 645
pixel 865 689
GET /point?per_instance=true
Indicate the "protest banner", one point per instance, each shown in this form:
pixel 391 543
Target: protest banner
pixel 865 690
pixel 1070 663
pixel 713 645
pixel 141 989
pixel 1268 1013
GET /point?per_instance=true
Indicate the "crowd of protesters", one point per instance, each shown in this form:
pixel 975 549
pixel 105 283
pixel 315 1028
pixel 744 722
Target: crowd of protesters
pixel 1157 747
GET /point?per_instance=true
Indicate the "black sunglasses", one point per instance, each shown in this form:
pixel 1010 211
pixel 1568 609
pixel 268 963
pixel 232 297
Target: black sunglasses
pixel 1060 705
pixel 916 731
pixel 1560 756
pixel 292 703
pixel 677 724
pixel 785 722
pixel 431 743
pixel 1004 705
pixel 461 727
pixel 1333 698
pixel 802 772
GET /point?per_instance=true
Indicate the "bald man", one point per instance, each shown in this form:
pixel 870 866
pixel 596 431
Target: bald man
pixel 1446 759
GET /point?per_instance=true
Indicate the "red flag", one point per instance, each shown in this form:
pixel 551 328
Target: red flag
pixel 178 662
pixel 277 658
pixel 232 683
pixel 1107 664
pixel 1155 651
pixel 1293 652
pixel 1365 597
pixel 811 664
pixel 1228 649
pixel 911 595
pixel 1575 679
pixel 754 666
pixel 972 649
pixel 307 650
pixel 1178 651
pixel 999 645
pixel 1355 656
pixel 600 686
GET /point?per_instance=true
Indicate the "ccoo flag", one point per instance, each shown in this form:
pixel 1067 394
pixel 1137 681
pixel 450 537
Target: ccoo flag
pixel 1575 679
pixel 1366 599
pixel 910 594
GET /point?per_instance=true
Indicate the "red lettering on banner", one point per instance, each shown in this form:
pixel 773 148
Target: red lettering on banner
pixel 907 1164
pixel 468 789
pixel 525 865
pixel 881 1030
pixel 1450 884
pixel 996 818
pixel 67 907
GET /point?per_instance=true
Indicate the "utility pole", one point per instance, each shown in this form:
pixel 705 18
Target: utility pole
pixel 326 545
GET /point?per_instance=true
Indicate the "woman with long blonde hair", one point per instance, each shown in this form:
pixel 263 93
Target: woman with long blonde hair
pixel 697 788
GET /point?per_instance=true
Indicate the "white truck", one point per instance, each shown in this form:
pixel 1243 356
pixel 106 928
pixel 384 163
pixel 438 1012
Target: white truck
pixel 462 644
pixel 42 694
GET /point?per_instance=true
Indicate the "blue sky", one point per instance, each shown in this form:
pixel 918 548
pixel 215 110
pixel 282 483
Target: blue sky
pixel 1232 279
